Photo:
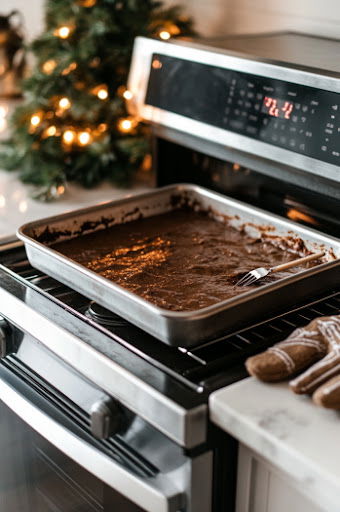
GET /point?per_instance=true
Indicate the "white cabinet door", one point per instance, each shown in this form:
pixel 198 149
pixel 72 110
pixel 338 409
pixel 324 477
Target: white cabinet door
pixel 263 488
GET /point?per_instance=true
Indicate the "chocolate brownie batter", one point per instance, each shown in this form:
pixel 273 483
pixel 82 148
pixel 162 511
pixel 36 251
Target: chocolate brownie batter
pixel 183 260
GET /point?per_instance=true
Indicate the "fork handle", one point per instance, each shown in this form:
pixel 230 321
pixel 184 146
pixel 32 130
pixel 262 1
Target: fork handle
pixel 297 262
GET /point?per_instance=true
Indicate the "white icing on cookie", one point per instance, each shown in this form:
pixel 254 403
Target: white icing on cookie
pixel 290 364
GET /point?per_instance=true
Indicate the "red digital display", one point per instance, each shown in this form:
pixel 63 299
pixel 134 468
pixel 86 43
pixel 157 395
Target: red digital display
pixel 277 108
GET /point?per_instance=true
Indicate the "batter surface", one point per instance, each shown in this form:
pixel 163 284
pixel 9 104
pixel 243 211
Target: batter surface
pixel 180 261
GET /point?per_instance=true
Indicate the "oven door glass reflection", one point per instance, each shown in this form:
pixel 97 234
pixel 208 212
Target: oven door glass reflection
pixel 36 477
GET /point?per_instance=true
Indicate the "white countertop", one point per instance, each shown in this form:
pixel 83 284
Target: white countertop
pixel 289 430
pixel 17 207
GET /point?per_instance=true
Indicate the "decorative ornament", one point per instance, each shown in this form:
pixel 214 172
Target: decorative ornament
pixel 12 54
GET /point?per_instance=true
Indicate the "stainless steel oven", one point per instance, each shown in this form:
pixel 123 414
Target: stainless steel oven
pixel 67 446
pixel 97 414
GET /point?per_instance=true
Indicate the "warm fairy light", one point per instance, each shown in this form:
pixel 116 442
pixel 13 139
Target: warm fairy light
pixel 88 3
pixel 156 64
pixel 63 32
pixel 49 66
pixel 102 94
pixel 69 136
pixel 35 120
pixel 64 103
pixel 84 138
pixel 101 91
pixel 165 35
pixel 102 127
pixel 297 215
pixel 147 163
pixel 23 206
pixel 71 67
pixel 125 125
pixel 128 95
pixel 51 131
pixel 174 30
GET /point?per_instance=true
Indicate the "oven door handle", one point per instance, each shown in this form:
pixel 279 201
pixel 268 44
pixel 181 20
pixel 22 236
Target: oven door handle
pixel 154 494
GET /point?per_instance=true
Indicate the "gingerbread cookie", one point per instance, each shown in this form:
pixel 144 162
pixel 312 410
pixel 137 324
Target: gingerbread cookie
pixel 328 395
pixel 318 343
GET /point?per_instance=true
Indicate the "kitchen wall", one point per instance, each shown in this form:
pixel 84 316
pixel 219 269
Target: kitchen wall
pixel 216 17
pixel 32 11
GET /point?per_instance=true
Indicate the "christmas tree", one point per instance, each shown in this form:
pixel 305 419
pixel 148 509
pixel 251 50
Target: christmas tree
pixel 73 125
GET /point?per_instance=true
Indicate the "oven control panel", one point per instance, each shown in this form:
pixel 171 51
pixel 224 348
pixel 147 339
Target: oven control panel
pixel 299 118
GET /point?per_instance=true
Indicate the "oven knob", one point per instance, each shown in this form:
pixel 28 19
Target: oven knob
pixel 107 418
pixel 4 337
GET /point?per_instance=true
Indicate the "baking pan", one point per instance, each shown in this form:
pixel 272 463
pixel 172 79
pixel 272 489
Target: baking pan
pixel 186 328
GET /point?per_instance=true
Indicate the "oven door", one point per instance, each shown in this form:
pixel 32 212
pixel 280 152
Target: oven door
pixel 49 463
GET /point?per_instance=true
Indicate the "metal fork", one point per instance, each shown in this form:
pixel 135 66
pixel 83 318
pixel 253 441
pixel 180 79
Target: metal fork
pixel 258 273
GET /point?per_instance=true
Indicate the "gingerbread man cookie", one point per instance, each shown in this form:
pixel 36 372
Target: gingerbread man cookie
pixel 313 350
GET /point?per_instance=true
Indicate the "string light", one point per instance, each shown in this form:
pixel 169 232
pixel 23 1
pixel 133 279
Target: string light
pixel 35 119
pixel 127 124
pixel 102 127
pixel 165 35
pixel 63 32
pixel 64 103
pixel 156 64
pixel 49 66
pixel 87 3
pixel 174 30
pixel 84 138
pixel 51 131
pixel 128 95
pixel 71 67
pixel 101 91
pixel 171 30
pixel 69 136
pixel 102 94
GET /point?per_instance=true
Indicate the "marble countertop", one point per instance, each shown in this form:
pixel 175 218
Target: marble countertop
pixel 289 430
pixel 17 206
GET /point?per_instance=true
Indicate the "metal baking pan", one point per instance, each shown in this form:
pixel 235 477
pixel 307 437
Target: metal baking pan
pixel 188 328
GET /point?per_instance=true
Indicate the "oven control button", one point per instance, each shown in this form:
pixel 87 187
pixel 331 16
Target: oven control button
pixel 107 418
pixel 4 337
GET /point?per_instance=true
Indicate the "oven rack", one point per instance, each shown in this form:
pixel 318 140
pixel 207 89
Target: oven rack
pixel 207 367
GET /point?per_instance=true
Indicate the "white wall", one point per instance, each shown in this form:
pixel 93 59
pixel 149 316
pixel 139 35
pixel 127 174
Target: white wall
pixel 32 11
pixel 217 17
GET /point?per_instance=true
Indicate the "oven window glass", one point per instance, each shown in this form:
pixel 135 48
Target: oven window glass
pixel 36 477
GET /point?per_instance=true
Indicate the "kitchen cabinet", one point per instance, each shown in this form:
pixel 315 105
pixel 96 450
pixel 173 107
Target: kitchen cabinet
pixel 261 487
